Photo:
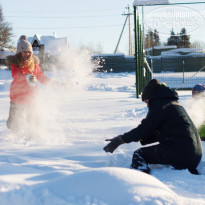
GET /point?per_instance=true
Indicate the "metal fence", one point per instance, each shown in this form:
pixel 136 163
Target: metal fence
pixel 178 59
pixel 143 69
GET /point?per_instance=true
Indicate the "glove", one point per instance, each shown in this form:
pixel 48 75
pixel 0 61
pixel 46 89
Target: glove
pixel 114 143
pixel 31 79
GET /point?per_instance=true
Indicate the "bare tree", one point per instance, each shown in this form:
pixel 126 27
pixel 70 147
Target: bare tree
pixel 99 48
pixel 5 32
pixel 198 44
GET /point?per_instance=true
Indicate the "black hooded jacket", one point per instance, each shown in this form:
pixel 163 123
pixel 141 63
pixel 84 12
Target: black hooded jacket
pixel 168 123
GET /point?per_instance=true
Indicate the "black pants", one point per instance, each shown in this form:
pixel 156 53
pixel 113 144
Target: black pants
pixel 147 155
pixel 150 155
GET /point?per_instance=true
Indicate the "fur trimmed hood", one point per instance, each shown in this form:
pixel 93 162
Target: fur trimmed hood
pixel 13 60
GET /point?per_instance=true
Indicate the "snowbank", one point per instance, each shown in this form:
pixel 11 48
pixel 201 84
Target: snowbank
pixel 96 186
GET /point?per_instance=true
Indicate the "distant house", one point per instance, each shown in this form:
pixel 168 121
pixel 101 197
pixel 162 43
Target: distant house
pixel 149 2
pixel 48 47
pixel 157 50
pixel 52 45
pixel 178 60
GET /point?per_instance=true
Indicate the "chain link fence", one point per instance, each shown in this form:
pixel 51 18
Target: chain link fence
pixel 174 41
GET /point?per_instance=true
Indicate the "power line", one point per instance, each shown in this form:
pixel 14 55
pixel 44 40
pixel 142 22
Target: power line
pixel 56 11
pixel 60 17
pixel 73 27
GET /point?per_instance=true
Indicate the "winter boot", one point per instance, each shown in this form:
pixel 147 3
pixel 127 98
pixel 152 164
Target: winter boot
pixel 139 163
pixel 194 171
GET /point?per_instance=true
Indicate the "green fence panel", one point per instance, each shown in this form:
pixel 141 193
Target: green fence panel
pixel 143 73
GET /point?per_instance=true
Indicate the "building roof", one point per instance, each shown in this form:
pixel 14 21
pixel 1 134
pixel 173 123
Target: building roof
pixel 149 2
pixel 52 44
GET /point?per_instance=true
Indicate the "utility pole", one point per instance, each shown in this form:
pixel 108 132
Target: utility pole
pixel 121 35
pixel 128 14
pixel 130 32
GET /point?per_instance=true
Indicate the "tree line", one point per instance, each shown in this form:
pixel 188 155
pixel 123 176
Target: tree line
pixel 181 40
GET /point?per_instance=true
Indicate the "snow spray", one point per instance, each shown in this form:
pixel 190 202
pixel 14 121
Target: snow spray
pixel 53 102
pixel 76 67
pixel 195 109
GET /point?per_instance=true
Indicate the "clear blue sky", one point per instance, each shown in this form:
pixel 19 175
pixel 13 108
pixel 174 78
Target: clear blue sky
pixel 92 22
pixel 85 22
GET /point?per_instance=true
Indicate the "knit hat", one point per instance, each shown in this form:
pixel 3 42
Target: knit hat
pixel 23 45
pixel 198 89
pixel 151 87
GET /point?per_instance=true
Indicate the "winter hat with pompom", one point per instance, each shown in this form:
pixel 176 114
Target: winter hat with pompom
pixel 151 86
pixel 23 45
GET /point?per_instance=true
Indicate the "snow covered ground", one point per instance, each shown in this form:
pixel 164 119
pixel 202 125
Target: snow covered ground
pixel 66 164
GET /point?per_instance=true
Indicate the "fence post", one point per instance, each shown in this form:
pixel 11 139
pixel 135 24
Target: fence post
pixel 143 74
pixel 183 70
pixel 136 52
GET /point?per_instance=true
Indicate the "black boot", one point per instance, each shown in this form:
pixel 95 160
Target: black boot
pixel 194 171
pixel 139 163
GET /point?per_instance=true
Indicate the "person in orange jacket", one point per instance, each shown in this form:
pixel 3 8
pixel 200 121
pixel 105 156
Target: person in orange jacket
pixel 26 72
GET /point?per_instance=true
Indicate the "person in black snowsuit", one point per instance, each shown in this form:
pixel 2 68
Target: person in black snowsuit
pixel 168 124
